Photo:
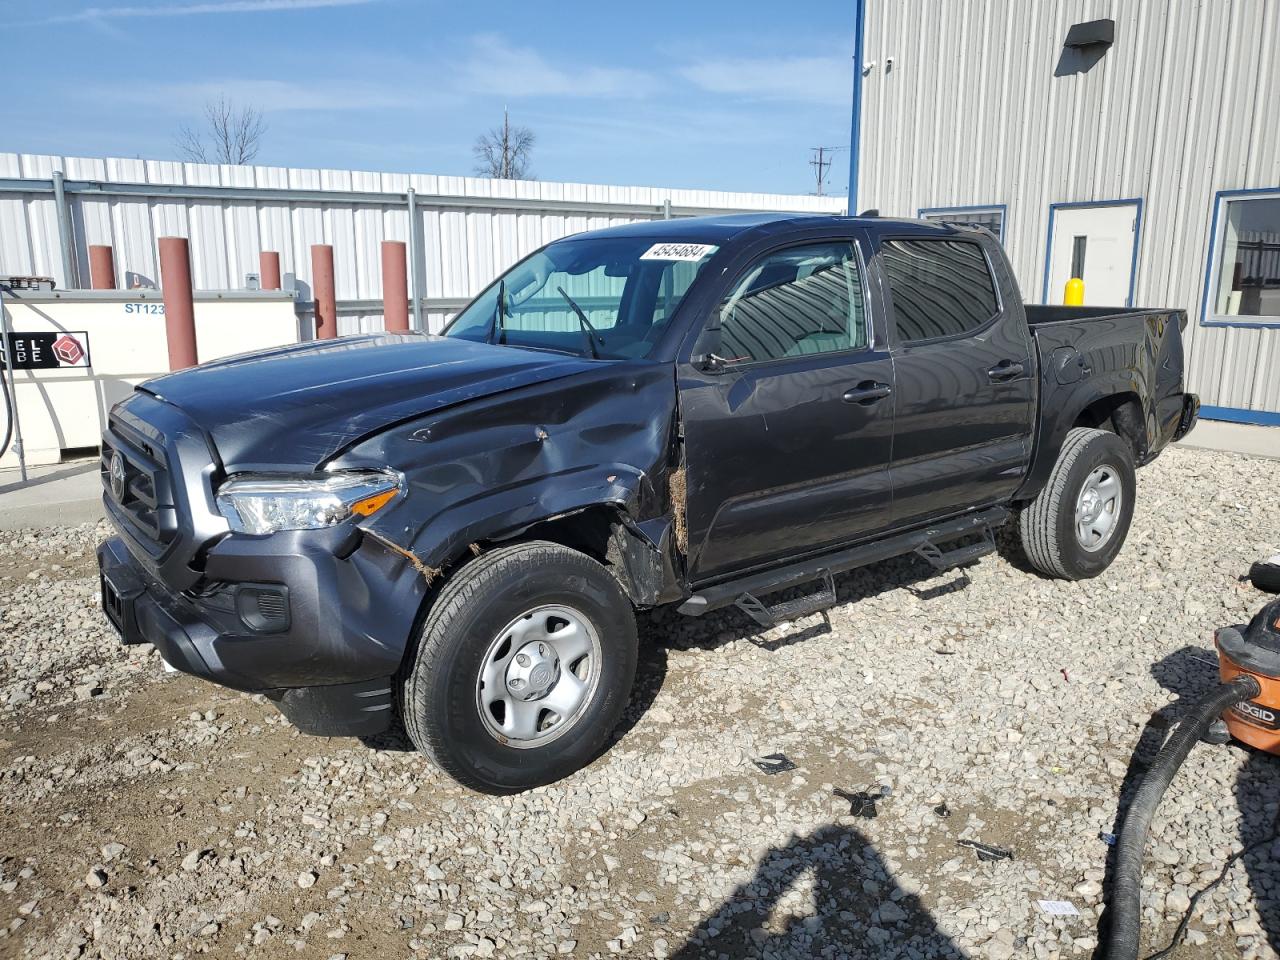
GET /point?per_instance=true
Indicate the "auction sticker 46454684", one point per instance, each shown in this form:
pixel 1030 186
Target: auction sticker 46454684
pixel 691 252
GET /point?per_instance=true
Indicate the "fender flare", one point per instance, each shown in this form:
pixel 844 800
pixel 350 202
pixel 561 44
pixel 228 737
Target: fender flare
pixel 1054 424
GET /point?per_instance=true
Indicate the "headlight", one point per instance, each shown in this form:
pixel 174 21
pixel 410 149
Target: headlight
pixel 261 503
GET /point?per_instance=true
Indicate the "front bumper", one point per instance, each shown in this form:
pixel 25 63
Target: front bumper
pixel 348 609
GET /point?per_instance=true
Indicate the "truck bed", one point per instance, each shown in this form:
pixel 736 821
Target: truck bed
pixel 1088 354
pixel 1056 313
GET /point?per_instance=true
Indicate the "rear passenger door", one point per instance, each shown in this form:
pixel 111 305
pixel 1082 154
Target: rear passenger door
pixel 788 429
pixel 964 403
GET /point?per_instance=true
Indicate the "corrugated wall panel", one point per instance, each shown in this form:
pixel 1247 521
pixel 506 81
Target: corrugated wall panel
pixel 984 105
pixel 463 247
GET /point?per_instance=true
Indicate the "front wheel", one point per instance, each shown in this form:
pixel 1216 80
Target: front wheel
pixel 523 668
pixel 1076 525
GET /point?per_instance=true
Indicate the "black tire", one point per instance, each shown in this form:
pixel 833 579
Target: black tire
pixel 1047 524
pixel 439 687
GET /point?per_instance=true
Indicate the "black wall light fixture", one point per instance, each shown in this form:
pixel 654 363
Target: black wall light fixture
pixel 1085 46
pixel 1094 33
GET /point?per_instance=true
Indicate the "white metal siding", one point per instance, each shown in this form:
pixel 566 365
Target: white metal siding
pixel 1182 105
pixel 464 246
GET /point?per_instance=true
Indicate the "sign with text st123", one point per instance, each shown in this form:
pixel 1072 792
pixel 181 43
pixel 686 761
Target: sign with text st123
pixel 48 351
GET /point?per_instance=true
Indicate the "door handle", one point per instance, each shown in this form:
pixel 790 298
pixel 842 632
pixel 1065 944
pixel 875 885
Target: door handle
pixel 867 393
pixel 1005 370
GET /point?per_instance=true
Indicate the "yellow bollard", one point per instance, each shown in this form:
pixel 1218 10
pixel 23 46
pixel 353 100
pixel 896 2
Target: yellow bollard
pixel 1073 296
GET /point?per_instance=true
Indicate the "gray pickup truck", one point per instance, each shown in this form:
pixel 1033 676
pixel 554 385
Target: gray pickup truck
pixel 454 532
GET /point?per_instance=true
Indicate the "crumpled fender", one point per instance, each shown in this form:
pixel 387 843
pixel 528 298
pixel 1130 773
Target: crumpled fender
pixel 490 469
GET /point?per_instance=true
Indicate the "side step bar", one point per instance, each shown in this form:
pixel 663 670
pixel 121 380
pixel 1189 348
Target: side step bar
pixel 941 559
pixel 745 591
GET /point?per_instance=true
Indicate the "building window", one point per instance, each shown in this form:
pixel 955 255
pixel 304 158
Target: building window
pixel 989 218
pixel 940 288
pixel 1248 262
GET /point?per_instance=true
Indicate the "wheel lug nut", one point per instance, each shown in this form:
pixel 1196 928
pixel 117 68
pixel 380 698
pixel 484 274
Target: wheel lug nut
pixel 522 659
pixel 542 651
pixel 516 683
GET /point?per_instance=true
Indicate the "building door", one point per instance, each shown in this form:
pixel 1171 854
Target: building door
pixel 1097 242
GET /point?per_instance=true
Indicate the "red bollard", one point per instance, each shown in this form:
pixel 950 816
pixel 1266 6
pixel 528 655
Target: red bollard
pixel 395 286
pixel 179 308
pixel 326 300
pixel 102 267
pixel 269 270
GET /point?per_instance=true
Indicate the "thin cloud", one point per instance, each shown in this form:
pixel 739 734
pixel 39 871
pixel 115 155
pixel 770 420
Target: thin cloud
pixel 797 79
pixel 270 96
pixel 498 68
pixel 198 9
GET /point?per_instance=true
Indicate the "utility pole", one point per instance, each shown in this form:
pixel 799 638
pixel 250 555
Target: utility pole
pixel 821 163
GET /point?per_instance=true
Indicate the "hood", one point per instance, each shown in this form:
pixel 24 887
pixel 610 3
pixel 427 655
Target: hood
pixel 295 407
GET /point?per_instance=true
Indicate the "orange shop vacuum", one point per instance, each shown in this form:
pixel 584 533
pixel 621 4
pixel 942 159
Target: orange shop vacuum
pixel 1254 651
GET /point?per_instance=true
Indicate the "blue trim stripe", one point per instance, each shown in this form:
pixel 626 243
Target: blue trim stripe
pixel 1252 322
pixel 1236 415
pixel 855 132
pixel 1078 204
pixel 1000 208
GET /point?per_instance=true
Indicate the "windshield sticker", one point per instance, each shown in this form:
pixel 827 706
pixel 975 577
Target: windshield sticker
pixel 692 252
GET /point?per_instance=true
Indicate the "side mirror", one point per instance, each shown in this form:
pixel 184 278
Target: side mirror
pixel 709 363
pixel 705 353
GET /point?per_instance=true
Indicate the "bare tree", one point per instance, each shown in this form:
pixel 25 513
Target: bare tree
pixel 504 152
pixel 230 134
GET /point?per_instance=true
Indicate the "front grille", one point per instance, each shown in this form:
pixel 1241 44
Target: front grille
pixel 140 486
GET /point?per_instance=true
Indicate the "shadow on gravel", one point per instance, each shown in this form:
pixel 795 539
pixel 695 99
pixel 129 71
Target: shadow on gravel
pixel 1258 797
pixel 1189 673
pixel 824 894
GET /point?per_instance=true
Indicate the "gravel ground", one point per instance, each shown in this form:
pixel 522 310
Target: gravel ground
pixel 147 814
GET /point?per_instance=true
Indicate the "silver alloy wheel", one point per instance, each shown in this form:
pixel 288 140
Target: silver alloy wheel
pixel 538 676
pixel 1098 508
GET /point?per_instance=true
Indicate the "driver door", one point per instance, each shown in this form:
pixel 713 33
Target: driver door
pixel 788 430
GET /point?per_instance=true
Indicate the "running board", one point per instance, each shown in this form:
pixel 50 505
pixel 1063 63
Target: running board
pixel 769 614
pixel 941 559
pixel 752 586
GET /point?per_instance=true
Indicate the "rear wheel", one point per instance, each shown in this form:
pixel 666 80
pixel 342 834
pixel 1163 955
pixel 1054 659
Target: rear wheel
pixel 523 667
pixel 1077 524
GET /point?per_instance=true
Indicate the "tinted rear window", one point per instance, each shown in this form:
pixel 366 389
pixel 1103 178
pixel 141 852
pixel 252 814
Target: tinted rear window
pixel 940 288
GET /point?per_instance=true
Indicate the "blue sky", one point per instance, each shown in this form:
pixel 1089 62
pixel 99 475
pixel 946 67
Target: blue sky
pixel 726 95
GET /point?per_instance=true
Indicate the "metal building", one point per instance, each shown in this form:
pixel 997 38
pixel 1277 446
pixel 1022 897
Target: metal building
pixel 1134 143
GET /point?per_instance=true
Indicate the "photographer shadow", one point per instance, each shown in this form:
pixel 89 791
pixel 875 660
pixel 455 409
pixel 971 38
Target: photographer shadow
pixel 824 894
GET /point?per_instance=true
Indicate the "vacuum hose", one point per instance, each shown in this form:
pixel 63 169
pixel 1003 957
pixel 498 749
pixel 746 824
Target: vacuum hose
pixel 1125 911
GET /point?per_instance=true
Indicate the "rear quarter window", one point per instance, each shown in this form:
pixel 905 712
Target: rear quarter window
pixel 940 288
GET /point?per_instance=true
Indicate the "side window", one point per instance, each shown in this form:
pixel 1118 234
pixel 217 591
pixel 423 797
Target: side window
pixel 798 301
pixel 940 288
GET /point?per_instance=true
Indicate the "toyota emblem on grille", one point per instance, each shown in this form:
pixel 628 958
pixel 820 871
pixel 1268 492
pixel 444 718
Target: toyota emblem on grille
pixel 117 476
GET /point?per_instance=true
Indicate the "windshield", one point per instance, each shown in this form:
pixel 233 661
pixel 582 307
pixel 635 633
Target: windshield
pixel 611 298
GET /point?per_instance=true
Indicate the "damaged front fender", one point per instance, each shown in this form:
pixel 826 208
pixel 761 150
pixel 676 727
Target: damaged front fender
pixel 492 469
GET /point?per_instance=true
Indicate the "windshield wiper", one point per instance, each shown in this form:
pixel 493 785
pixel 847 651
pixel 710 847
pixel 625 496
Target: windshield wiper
pixel 588 331
pixel 497 329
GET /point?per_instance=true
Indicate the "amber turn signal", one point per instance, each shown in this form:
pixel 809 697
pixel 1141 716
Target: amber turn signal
pixel 371 505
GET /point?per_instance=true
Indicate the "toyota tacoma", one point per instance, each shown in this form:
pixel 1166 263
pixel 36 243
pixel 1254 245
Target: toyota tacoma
pixel 455 531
